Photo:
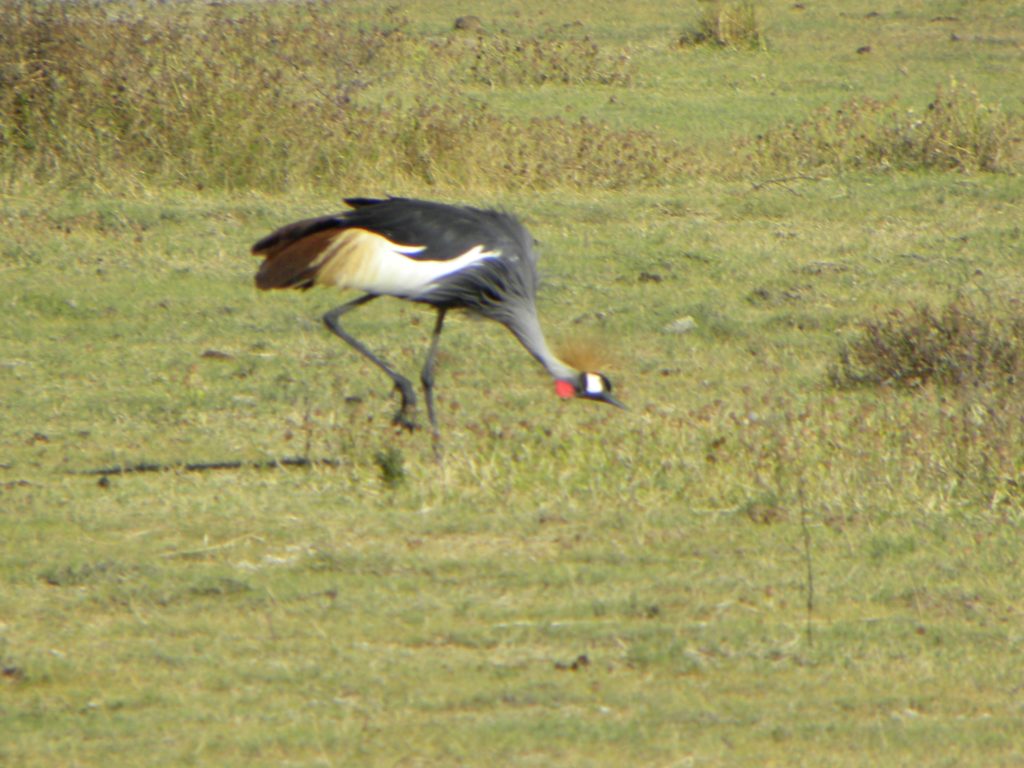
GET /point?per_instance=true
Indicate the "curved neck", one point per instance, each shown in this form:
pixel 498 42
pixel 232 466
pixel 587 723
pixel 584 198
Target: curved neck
pixel 526 327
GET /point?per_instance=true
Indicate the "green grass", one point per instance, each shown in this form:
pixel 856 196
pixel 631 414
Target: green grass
pixel 575 585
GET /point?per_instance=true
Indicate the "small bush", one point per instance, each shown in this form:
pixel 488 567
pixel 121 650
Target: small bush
pixel 391 464
pixel 728 25
pixel 959 345
pixel 956 131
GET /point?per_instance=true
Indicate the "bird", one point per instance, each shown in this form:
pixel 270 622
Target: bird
pixel 446 256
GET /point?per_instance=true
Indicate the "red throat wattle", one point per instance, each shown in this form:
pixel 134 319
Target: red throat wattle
pixel 564 389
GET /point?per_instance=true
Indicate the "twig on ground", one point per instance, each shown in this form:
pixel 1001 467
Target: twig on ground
pixel 808 558
pixel 207 466
pixel 784 181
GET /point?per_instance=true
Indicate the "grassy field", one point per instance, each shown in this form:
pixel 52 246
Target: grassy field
pixel 800 546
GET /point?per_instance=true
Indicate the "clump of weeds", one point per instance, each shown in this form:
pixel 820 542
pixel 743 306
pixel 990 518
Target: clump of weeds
pixel 727 24
pixel 505 60
pixel 955 131
pixel 959 344
pixel 391 464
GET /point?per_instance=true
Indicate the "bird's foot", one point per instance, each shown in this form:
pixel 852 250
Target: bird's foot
pixel 404 420
pixel 404 416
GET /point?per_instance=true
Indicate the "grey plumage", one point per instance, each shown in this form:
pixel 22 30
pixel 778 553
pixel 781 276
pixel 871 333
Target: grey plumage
pixel 450 257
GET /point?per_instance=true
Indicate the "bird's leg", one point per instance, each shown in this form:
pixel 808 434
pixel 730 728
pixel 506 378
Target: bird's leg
pixel 404 386
pixel 427 378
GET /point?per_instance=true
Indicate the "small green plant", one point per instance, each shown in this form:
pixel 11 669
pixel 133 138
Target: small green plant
pixel 727 25
pixel 957 345
pixel 391 463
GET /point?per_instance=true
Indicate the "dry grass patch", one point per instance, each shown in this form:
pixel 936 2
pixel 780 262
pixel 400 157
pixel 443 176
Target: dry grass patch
pixel 960 344
pixel 504 60
pixel 964 365
pixel 956 131
pixel 282 96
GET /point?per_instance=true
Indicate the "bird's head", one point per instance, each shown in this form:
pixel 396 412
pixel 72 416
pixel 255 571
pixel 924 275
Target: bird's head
pixel 583 355
pixel 592 386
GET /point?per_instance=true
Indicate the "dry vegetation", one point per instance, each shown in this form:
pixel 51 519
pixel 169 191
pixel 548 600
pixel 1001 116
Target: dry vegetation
pixel 284 96
pixel 774 552
pixel 955 131
pixel 280 97
pixel 727 24
pixel 503 60
pixel 963 344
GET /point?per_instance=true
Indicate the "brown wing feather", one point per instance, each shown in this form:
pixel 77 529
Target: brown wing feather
pixel 290 261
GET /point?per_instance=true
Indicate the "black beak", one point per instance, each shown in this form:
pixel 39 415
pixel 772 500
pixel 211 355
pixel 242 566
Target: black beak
pixel 607 397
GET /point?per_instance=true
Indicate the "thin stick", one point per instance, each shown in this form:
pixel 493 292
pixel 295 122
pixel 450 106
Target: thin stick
pixel 808 559
pixel 206 466
pixel 784 180
pixel 211 548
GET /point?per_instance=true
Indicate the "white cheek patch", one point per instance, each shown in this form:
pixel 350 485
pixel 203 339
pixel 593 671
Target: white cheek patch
pixel 592 384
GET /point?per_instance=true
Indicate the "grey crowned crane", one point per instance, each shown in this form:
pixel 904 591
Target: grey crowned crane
pixel 451 257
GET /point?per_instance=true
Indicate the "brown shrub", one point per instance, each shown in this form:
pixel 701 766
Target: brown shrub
pixel 956 131
pixel 958 345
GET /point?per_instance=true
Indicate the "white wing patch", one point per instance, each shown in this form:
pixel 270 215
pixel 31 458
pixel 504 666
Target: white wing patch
pixel 360 259
pixel 398 275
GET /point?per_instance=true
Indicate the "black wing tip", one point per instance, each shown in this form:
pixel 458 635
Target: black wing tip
pixel 363 202
pixel 296 231
pixel 266 243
